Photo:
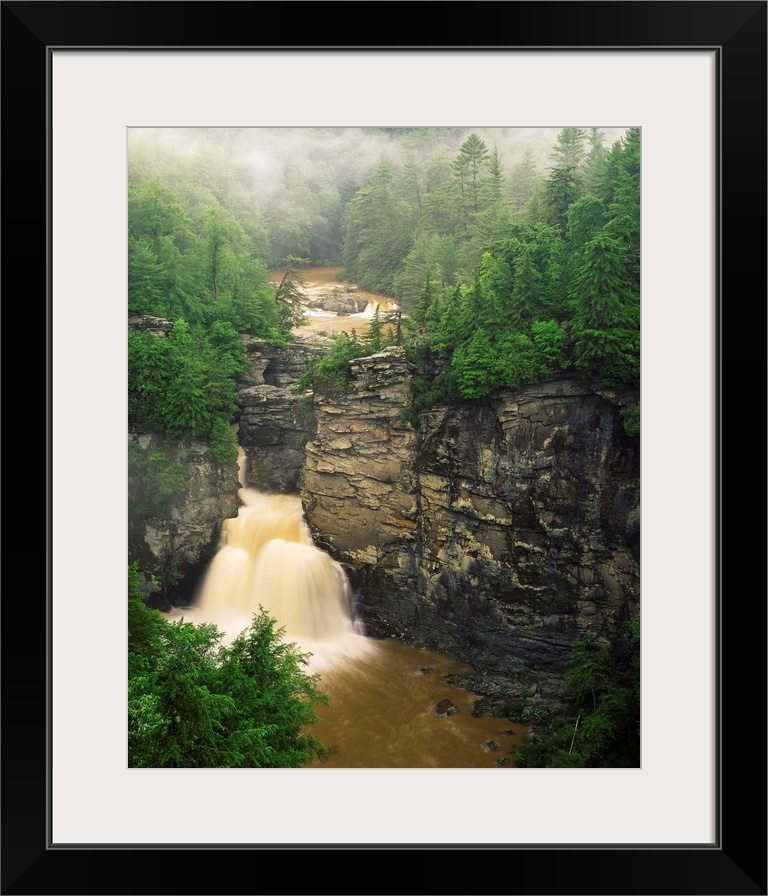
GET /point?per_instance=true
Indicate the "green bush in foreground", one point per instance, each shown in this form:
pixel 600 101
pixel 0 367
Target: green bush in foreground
pixel 193 703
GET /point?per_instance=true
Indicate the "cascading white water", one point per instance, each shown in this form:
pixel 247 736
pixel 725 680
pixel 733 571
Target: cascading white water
pixel 382 709
pixel 267 558
pixel 384 306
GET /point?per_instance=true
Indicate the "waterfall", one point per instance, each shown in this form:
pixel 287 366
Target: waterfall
pixel 384 306
pixel 267 558
pixel 382 710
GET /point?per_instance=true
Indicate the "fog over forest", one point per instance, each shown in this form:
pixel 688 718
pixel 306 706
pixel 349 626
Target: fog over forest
pixel 299 179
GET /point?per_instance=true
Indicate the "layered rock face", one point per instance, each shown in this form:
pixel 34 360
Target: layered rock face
pixel 178 497
pixel 499 533
pixel 359 483
pixel 275 422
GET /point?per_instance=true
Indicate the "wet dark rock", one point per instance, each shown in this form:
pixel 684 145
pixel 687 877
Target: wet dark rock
pixel 424 670
pixel 158 326
pixel 174 542
pixel 498 532
pixel 446 708
pixel 275 421
pixel 492 745
pixel 503 760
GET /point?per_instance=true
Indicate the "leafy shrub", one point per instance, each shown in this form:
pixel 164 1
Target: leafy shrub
pixel 631 419
pixel 193 703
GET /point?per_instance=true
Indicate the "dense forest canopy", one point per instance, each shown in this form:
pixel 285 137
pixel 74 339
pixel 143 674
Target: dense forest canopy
pixel 512 253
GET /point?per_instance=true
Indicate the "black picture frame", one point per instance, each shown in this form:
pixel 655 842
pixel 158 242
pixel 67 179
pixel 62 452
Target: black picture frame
pixel 736 863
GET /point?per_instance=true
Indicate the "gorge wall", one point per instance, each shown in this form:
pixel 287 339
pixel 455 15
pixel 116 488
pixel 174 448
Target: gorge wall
pixel 178 497
pixel 275 422
pixel 499 532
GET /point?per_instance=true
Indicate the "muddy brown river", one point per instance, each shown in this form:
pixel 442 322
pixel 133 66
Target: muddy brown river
pixel 323 282
pixel 390 705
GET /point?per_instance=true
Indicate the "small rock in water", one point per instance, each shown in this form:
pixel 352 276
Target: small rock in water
pixel 508 732
pixel 446 708
pixel 424 670
pixel 491 745
pixel 503 760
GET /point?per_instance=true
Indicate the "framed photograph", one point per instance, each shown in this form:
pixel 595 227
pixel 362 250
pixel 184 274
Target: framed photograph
pixel 691 77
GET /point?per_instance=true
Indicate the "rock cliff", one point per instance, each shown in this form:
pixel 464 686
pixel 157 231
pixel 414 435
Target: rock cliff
pixel 178 497
pixel 275 422
pixel 499 532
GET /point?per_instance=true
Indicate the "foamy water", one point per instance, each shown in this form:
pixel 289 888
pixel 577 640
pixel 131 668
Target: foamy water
pixel 383 694
pixel 267 558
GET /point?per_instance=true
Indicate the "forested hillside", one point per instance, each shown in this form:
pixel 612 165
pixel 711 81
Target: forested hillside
pixel 508 266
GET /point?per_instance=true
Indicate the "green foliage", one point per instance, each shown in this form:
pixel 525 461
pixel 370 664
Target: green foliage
pixel 194 703
pixel 185 404
pixel 377 233
pixel 603 729
pixel 432 255
pixel 275 698
pixel 477 366
pixel 332 372
pixel 375 337
pixel 489 362
pixel 606 319
pixel 184 386
pixel 630 417
pixel 506 279
pixel 289 293
pixel 568 150
pixel 146 278
pixel 223 442
pixel 550 341
pixel 586 217
pixel 562 189
pixel 158 481
pixel 149 373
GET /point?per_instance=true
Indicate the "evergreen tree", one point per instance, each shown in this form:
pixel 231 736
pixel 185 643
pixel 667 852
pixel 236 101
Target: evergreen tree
pixel 375 332
pixel 605 326
pixel 495 181
pixel 460 168
pixel 290 294
pixel 377 233
pixel 568 151
pixel 624 210
pixel 608 178
pixel 423 314
pixel 562 189
pixel 522 179
pixel 526 290
pixel 586 217
pixel 217 233
pixel 146 278
pixel 594 162
pixel 149 373
pixel 475 152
